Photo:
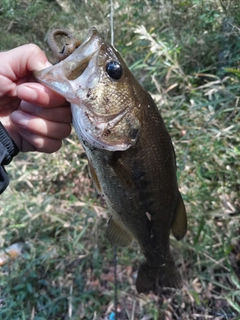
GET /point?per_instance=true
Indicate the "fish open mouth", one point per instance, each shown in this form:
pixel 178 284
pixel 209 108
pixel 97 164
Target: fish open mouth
pixel 60 77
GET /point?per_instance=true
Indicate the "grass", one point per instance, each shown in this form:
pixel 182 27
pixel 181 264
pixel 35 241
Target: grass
pixel 66 271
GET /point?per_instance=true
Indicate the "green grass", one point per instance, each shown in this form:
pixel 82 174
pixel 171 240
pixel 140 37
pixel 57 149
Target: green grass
pixel 187 56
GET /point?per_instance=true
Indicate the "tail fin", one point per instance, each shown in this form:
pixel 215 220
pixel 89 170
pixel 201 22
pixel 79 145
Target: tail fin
pixel 151 277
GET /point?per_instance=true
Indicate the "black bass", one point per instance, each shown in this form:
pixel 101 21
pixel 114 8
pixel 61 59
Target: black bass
pixel 130 153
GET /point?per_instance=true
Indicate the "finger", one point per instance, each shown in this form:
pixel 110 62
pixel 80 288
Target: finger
pixel 34 142
pixel 40 95
pixel 58 114
pixel 39 126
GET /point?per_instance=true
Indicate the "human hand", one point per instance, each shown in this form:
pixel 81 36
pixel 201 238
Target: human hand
pixel 36 118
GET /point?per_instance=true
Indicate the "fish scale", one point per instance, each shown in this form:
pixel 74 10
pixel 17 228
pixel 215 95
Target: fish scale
pixel 131 156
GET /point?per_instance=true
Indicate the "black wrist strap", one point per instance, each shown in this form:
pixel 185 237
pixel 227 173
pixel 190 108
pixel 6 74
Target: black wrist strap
pixel 8 144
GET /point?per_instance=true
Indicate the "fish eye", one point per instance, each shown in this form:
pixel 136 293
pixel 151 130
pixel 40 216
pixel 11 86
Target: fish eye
pixel 114 70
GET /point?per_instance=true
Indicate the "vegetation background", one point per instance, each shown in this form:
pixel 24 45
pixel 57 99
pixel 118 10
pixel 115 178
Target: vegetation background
pixel 187 54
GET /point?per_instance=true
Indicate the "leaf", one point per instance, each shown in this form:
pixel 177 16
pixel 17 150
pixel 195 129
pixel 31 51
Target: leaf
pixel 234 71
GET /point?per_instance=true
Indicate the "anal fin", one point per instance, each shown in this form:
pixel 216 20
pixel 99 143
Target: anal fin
pixel 117 235
pixel 179 227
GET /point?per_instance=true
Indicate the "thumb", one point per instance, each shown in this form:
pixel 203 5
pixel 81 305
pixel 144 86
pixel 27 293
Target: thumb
pixel 31 58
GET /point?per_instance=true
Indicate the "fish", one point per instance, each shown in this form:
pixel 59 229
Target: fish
pixel 131 157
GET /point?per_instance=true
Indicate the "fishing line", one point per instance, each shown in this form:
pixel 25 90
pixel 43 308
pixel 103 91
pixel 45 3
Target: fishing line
pixel 115 258
pixel 111 22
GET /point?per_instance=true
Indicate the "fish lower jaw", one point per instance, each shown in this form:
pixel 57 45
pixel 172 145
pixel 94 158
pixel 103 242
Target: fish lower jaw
pixel 92 133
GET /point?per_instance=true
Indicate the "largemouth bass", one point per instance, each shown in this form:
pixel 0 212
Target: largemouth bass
pixel 130 153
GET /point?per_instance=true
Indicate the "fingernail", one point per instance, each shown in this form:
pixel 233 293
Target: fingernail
pixel 48 64
pixel 28 107
pixel 27 92
pixel 40 66
pixel 19 118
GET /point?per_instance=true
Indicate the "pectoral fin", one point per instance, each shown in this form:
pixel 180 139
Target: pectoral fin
pixel 93 176
pixel 122 171
pixel 179 227
pixel 117 235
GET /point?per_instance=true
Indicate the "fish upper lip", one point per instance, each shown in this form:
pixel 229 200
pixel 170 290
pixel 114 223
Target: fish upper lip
pixel 75 64
pixel 70 68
